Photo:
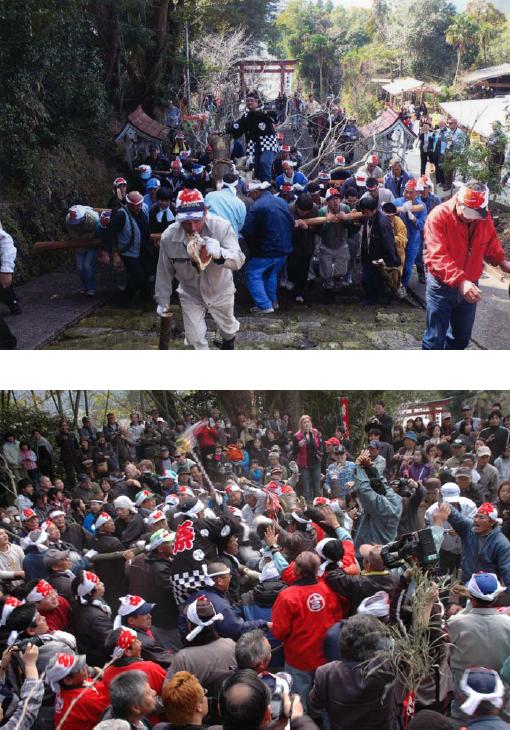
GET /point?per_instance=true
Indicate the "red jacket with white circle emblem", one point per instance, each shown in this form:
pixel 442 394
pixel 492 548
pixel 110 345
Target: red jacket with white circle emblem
pixel 301 616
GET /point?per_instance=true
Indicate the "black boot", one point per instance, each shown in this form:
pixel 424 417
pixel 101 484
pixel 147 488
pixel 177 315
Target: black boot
pixel 228 344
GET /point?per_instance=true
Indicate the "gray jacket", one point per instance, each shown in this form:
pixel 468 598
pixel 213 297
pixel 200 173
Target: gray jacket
pixel 214 285
pixel 31 696
pixel 381 512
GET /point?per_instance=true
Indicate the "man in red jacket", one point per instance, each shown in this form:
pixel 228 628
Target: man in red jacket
pixel 301 616
pixel 459 237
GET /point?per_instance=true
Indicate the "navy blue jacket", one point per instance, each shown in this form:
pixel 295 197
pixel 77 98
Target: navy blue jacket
pixel 492 557
pixel 269 227
pixel 33 564
pixel 232 625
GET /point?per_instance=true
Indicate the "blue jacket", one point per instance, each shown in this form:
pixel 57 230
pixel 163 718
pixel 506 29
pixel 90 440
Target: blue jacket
pixel 381 512
pixel 33 564
pixel 298 179
pixel 493 556
pixel 415 228
pixel 232 625
pixel 397 188
pixel 269 227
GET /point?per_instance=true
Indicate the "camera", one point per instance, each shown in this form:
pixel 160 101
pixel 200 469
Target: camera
pixel 22 645
pixel 419 545
pixel 402 487
pixel 282 686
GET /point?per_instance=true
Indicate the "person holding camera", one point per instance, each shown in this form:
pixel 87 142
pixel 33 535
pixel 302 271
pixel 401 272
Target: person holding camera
pixel 382 506
pixel 32 690
pixel 246 702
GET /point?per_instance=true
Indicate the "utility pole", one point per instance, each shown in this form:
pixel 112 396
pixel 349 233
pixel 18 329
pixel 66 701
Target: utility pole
pixel 188 85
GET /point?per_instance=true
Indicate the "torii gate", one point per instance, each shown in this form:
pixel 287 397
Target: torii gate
pixel 266 66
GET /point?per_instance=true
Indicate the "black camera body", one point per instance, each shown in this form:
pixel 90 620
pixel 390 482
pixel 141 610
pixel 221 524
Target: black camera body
pixel 23 643
pixel 419 545
pixel 401 486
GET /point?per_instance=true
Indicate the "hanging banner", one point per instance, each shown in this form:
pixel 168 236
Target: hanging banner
pixel 344 414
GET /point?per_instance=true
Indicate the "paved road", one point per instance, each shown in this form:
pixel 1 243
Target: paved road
pixel 50 304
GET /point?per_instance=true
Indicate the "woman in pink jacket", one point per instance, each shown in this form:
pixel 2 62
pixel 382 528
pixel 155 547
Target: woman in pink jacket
pixel 308 449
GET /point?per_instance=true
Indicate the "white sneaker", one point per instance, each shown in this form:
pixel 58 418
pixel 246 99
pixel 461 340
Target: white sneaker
pixel 300 300
pixel 258 310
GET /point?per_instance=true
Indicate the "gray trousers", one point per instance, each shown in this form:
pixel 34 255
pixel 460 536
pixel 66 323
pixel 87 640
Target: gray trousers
pixel 333 264
pixel 195 328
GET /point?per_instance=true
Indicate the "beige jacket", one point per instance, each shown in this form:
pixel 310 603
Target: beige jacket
pixel 215 284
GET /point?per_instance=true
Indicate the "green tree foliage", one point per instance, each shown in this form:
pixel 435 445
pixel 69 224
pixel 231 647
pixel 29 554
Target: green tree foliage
pixel 422 27
pixel 255 17
pixel 50 76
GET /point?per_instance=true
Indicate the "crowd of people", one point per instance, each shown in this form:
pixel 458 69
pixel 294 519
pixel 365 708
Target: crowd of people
pixel 179 229
pixel 247 573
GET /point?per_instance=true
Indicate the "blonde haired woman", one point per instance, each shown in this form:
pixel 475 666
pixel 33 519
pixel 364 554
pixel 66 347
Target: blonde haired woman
pixel 308 449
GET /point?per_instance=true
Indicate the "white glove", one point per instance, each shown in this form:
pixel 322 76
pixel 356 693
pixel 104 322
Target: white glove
pixel 411 216
pixel 161 310
pixel 249 161
pixel 407 205
pixel 213 247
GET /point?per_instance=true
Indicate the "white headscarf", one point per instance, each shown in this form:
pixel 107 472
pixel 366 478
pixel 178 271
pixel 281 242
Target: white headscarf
pixel 194 618
pixel 474 698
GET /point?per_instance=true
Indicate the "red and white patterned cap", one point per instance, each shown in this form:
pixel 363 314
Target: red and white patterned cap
pixel 40 591
pixel 125 640
pixel 155 517
pixel 231 488
pixel 10 604
pixel 339 160
pixel 235 512
pixel 490 511
pixel 27 514
pixel 131 604
pixel 89 583
pixel 62 665
pixel 142 496
pixel 190 205
pixel 102 519
pixel 320 501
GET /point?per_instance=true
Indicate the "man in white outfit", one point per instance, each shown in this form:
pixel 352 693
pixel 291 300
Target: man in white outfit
pixel 204 273
pixel 7 294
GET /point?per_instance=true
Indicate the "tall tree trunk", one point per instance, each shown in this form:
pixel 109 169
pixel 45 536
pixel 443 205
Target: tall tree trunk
pixel 155 60
pixel 76 409
pixel 60 406
pixel 234 402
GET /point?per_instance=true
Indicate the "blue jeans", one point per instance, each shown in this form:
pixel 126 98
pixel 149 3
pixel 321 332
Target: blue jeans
pixel 310 481
pixel 412 252
pixel 301 683
pixel 264 165
pixel 262 280
pixel 86 265
pixel 450 318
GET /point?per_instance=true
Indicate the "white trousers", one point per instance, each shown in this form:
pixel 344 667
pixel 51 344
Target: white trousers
pixel 195 328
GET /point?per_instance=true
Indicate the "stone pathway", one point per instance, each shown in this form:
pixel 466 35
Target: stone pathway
pixel 341 326
pixel 50 304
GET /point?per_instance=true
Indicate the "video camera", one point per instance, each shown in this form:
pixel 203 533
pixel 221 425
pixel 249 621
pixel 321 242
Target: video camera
pixel 401 486
pixel 419 545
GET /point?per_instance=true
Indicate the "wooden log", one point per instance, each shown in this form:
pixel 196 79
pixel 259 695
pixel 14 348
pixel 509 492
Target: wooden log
pixel 165 331
pixel 70 244
pixel 73 244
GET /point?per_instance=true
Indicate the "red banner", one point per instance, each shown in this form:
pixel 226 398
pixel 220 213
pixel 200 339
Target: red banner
pixel 344 414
